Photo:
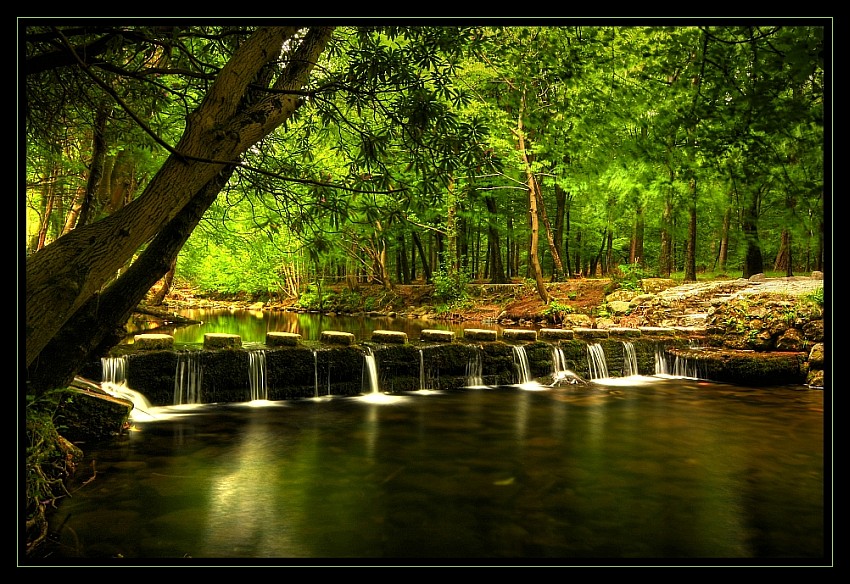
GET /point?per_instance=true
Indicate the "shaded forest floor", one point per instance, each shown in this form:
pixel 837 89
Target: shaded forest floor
pixel 483 301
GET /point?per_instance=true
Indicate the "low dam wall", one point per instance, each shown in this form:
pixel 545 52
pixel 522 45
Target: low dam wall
pixel 288 368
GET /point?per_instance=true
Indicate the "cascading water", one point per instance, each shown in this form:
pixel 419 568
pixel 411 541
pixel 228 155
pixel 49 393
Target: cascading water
pixel 114 382
pixel 521 362
pixel 596 364
pixel 630 366
pixel 677 366
pixel 370 370
pixel 257 375
pixel 316 373
pixel 421 369
pixel 560 373
pixel 187 378
pixel 475 368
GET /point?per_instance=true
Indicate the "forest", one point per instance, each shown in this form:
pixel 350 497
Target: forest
pixel 276 157
pixel 268 159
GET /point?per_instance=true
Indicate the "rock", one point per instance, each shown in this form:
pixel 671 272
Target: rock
pixel 222 341
pixel 153 342
pixel 337 338
pixel 277 339
pixel 436 335
pixel 619 307
pixel 384 336
pixel 479 334
pixel 655 285
pixel 816 357
pixel 520 334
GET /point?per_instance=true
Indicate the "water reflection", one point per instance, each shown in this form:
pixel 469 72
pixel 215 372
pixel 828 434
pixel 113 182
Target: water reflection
pixel 660 469
pixel 252 325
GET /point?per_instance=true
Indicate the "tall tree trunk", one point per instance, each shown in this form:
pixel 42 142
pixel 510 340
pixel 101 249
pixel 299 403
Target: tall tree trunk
pixel 723 254
pixel 426 268
pixel 63 277
pixel 404 275
pixel 753 260
pixel 665 259
pixel 636 247
pixel 87 209
pixel 497 269
pixel 558 274
pixel 167 281
pixel 691 246
pixel 534 260
pixel 783 256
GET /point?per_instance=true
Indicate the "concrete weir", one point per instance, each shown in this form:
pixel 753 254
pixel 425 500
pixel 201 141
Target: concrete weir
pixel 294 368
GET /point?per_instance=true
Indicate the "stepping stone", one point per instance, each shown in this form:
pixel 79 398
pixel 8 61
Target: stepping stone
pixel 656 330
pixel 151 342
pixel 381 336
pixel 222 341
pixel 337 338
pixel 279 339
pixel 555 334
pixel 479 334
pixel 437 335
pixel 624 331
pixel 591 333
pixel 520 334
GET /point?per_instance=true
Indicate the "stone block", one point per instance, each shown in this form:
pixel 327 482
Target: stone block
pixel 436 335
pixel 624 331
pixel 472 334
pixel 383 336
pixel 519 334
pixel 555 334
pixel 337 338
pixel 150 342
pixel 591 333
pixel 282 339
pixel 222 341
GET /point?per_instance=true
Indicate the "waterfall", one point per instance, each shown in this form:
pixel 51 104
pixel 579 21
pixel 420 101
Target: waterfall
pixel 560 374
pixel 630 366
pixel 257 375
pixel 677 366
pixel 187 378
pixel 421 369
pixel 596 365
pixel 114 382
pixel 114 370
pixel 371 369
pixel 316 372
pixel 521 361
pixel 475 368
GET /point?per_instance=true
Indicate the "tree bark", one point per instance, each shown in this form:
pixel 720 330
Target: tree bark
pixel 98 324
pixel 64 276
pixel 690 248
pixel 533 259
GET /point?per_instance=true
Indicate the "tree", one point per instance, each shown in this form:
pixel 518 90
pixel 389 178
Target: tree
pixel 65 276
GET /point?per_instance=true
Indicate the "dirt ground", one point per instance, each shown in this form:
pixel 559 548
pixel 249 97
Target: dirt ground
pixel 486 301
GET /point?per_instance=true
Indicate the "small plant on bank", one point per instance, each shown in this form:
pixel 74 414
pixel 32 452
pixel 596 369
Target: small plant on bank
pixel 627 277
pixel 50 460
pixel 451 289
pixel 556 310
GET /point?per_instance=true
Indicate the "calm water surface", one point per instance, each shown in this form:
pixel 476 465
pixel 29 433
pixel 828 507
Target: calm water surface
pixel 252 325
pixel 640 468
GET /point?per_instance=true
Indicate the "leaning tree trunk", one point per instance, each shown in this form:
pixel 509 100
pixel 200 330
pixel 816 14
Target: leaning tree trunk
pixel 537 272
pixel 64 276
pixel 753 260
pixel 98 325
pixel 691 247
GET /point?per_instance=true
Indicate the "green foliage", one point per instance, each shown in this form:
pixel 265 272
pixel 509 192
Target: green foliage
pixel 815 297
pixel 556 310
pixel 49 462
pixel 451 289
pixel 628 277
